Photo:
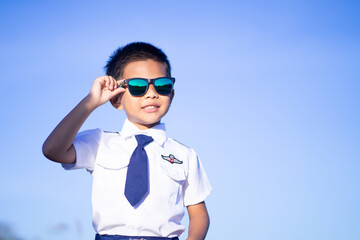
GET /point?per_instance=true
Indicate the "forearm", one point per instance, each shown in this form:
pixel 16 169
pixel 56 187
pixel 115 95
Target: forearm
pixel 198 228
pixel 199 222
pixel 58 146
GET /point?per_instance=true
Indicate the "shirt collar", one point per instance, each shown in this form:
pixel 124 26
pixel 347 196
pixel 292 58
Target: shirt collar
pixel 158 132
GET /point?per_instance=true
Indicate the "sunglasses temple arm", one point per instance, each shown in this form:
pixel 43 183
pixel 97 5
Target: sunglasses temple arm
pixel 121 84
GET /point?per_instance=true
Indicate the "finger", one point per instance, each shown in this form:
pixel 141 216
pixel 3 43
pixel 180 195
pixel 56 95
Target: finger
pixel 112 83
pixel 120 83
pixel 101 80
pixel 112 78
pixel 118 91
pixel 107 81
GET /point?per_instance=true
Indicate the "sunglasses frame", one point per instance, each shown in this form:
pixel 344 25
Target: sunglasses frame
pixel 148 81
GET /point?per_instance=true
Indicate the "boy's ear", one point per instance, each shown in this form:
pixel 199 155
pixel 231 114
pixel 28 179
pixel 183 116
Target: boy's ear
pixel 116 102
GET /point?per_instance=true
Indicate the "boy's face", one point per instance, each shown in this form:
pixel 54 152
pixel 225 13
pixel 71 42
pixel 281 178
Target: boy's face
pixel 145 111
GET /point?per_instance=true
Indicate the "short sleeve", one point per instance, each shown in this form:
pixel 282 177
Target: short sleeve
pixel 197 186
pixel 86 146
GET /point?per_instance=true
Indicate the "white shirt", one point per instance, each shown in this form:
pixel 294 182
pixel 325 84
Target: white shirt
pixel 172 185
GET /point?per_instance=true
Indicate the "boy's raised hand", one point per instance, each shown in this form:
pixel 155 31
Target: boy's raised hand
pixel 103 89
pixel 58 146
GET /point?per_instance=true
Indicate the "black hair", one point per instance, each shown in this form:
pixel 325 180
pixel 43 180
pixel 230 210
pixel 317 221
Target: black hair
pixel 135 51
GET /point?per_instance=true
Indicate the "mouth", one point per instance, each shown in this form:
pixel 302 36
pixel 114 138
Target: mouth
pixel 150 107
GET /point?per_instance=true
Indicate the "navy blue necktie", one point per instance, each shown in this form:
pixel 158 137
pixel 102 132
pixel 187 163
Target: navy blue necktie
pixel 137 178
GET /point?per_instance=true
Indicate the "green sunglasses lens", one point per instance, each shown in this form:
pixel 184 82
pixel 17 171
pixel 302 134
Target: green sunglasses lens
pixel 163 86
pixel 137 87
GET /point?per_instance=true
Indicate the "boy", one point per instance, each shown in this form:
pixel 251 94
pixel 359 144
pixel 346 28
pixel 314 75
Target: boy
pixel 141 178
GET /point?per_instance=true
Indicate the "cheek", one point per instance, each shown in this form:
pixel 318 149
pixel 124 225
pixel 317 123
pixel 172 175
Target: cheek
pixel 130 103
pixel 167 101
pixel 125 105
pixel 125 100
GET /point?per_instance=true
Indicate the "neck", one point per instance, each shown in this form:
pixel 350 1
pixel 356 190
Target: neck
pixel 144 127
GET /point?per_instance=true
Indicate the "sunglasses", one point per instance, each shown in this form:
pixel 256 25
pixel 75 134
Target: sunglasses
pixel 139 86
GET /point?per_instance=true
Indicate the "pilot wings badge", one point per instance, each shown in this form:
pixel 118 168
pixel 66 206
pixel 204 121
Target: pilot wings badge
pixel 172 159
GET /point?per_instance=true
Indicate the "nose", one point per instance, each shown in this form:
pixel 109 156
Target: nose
pixel 151 92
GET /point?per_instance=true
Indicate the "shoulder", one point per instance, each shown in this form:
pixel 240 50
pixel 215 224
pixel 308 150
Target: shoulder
pixel 96 134
pixel 97 131
pixel 176 143
pixel 180 147
pixel 110 132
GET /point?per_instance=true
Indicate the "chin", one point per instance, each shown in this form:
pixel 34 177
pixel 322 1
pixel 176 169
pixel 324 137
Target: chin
pixel 151 124
pixel 145 125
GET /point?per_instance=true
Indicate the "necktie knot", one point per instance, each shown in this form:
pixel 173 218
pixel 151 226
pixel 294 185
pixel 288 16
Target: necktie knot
pixel 143 140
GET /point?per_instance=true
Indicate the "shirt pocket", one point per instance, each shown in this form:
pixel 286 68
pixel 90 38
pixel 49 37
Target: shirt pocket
pixel 175 176
pixel 174 171
pixel 110 173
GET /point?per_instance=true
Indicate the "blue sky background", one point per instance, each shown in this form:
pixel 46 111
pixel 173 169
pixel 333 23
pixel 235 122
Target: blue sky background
pixel 267 92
